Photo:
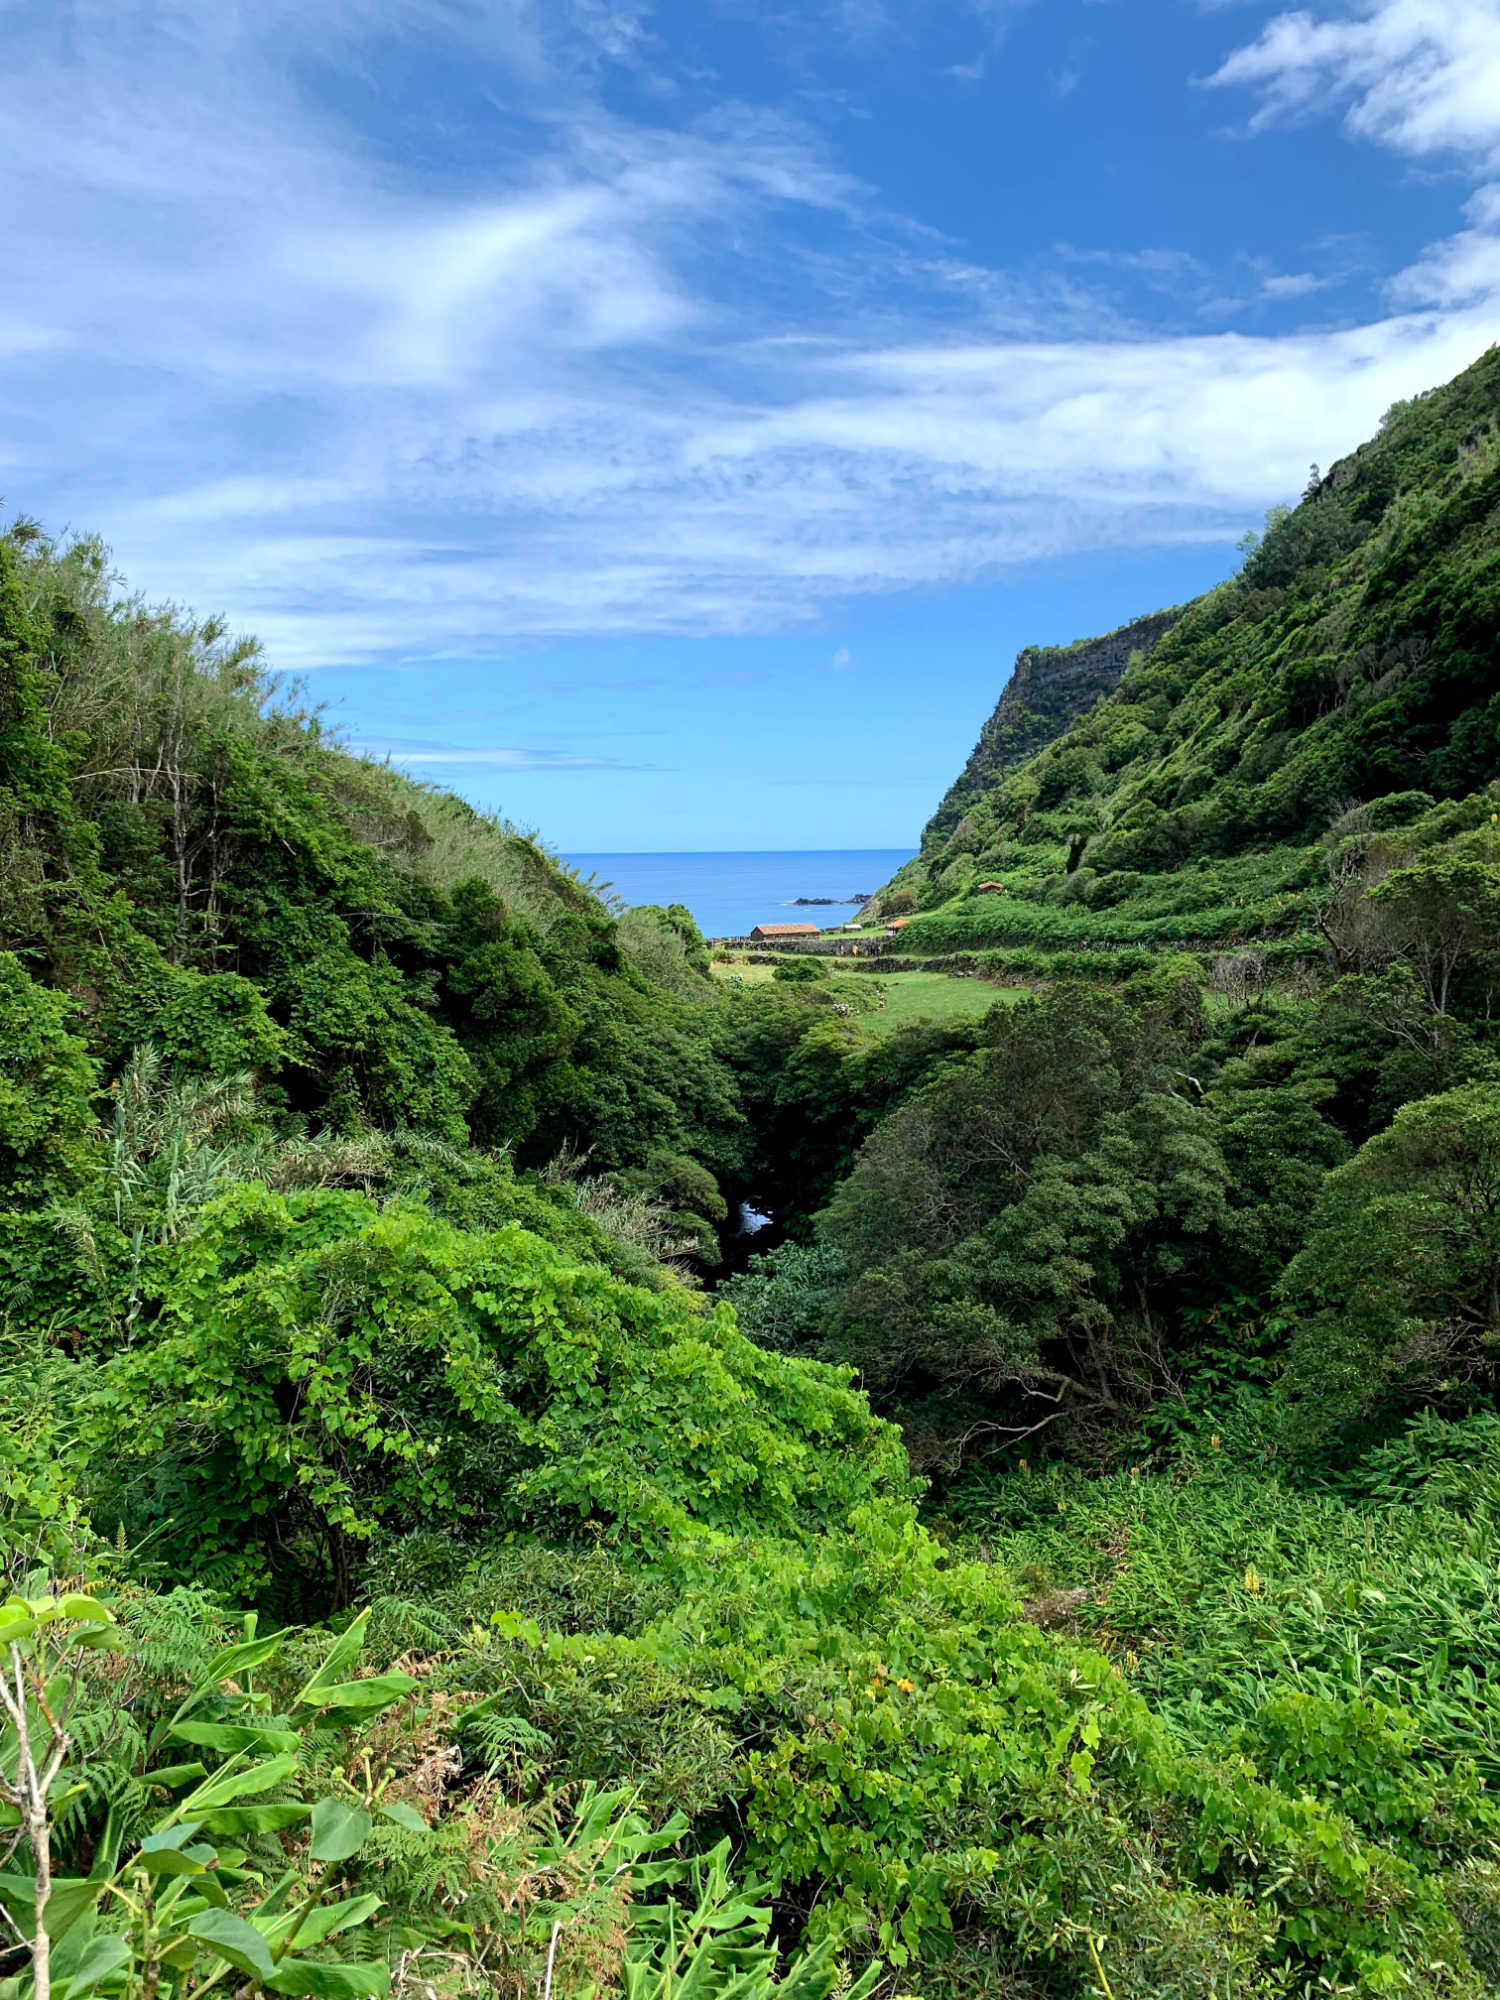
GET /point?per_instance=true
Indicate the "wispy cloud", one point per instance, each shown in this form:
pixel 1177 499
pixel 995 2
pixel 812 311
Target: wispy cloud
pixel 1239 283
pixel 1420 75
pixel 380 406
pixel 842 661
pixel 413 751
pixel 1174 272
pixel 1294 284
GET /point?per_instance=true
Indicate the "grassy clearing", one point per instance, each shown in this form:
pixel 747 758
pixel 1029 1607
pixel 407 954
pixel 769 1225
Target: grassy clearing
pixel 933 996
pixel 909 996
pixel 746 975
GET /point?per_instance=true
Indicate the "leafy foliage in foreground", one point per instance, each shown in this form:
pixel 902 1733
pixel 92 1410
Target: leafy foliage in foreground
pixel 925 1779
pixel 177 1776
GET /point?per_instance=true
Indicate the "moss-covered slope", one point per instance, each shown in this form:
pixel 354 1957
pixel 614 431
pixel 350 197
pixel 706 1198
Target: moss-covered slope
pixel 1355 657
pixel 1049 687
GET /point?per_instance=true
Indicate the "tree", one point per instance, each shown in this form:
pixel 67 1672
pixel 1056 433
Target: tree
pixel 675 927
pixel 509 1016
pixel 1399 1282
pixel 47 1082
pixel 1057 1305
pixel 1443 916
pixel 47 859
pixel 966 1145
pixel 784 1299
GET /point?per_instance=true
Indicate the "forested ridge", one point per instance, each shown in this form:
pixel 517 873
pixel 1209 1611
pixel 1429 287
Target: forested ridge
pixel 1350 662
pixel 1067 1563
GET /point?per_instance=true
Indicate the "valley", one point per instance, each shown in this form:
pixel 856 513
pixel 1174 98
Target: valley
pixel 1062 1563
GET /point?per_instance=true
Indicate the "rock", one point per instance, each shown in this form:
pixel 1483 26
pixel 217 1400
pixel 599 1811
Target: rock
pixel 1049 687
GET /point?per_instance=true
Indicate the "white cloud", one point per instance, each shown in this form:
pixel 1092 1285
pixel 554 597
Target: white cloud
pixel 1422 76
pixel 1419 76
pixel 842 661
pixel 1294 284
pixel 1464 270
pixel 419 755
pixel 380 413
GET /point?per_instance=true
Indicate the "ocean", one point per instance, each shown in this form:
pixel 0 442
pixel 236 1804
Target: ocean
pixel 729 894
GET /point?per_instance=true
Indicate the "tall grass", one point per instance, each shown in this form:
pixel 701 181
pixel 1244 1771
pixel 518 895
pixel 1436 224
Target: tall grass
pixel 1217 1587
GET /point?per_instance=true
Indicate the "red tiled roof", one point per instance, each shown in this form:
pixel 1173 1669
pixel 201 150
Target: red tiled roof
pixel 785 930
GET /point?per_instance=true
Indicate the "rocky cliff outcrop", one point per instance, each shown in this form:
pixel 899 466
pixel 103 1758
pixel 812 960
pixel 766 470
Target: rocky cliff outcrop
pixel 1050 687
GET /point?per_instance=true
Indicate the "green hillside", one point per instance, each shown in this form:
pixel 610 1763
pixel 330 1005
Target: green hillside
pixel 193 860
pixel 1347 676
pixel 1049 687
pixel 441 1561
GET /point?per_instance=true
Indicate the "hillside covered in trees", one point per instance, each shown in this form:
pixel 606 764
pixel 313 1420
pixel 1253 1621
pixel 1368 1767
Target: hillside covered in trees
pixel 1349 666
pixel 1067 1563
pixel 1049 687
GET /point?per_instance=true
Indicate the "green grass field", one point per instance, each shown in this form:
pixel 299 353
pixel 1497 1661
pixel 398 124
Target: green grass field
pixel 933 996
pixel 909 996
pixel 747 975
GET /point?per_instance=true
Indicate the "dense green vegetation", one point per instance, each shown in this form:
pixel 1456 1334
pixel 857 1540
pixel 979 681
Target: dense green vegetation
pixel 1351 660
pixel 1063 1564
pixel 1048 688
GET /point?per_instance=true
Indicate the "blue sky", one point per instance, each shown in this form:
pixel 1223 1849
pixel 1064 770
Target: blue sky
pixel 664 423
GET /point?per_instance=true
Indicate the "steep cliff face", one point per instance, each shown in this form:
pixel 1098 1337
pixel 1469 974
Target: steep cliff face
pixel 1050 687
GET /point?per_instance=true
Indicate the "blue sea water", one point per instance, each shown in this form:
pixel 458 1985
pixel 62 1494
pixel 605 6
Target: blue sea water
pixel 729 894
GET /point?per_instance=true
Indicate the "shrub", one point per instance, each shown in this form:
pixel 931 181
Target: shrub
pixel 47 1085
pixel 321 1367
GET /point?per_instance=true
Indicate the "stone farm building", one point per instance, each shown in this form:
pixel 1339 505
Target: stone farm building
pixel 779 933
